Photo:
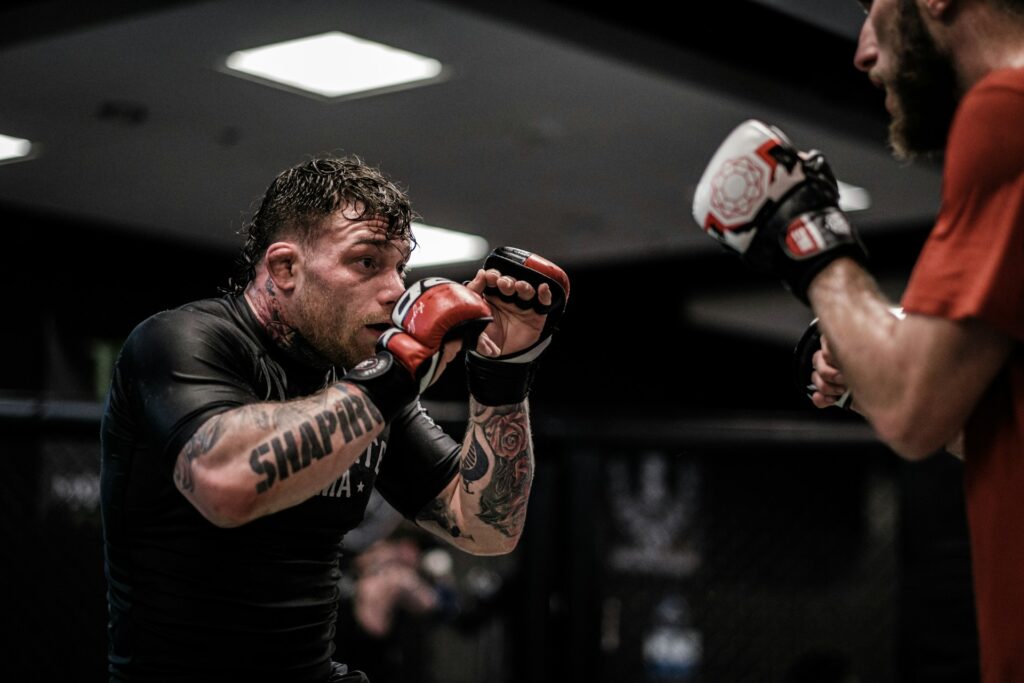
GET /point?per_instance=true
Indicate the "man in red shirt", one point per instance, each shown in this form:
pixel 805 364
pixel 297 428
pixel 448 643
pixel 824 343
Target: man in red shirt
pixel 951 370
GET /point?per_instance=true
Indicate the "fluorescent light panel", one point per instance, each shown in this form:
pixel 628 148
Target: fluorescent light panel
pixel 335 64
pixel 13 148
pixel 435 246
pixel 853 198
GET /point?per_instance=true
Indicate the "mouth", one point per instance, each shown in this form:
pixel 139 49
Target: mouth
pixel 378 328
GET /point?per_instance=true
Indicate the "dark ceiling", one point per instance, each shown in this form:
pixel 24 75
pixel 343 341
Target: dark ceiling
pixel 572 130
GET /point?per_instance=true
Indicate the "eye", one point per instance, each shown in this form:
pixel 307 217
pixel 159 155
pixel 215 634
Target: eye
pixel 367 262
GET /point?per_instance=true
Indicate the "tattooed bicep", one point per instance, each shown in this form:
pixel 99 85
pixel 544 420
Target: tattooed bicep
pixel 205 438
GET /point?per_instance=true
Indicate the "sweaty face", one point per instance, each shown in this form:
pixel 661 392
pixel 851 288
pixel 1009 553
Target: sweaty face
pixel 923 87
pixel 351 277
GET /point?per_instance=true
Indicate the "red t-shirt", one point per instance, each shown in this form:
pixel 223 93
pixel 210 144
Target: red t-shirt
pixel 972 266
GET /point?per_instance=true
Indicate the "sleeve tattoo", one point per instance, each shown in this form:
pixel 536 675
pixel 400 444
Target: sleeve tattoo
pixel 298 433
pixel 500 454
pixel 205 438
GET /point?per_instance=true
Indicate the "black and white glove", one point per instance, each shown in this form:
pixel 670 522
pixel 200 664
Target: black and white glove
pixel 776 207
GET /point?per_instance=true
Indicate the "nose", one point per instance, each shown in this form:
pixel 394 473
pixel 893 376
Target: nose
pixel 391 288
pixel 867 47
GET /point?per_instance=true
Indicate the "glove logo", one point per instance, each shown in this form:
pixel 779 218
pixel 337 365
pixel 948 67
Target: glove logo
pixel 803 238
pixel 812 233
pixel 372 367
pixel 736 190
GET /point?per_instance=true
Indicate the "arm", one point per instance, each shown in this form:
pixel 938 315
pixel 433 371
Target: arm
pixel 260 458
pixel 828 387
pixel 483 509
pixel 916 380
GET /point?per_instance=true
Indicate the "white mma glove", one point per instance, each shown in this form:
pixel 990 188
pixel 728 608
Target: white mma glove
pixel 775 207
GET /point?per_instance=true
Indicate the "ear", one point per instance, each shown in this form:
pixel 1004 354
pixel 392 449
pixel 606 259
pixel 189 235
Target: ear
pixel 936 9
pixel 282 258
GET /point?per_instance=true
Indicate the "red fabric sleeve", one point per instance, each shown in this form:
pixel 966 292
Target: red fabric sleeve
pixel 972 265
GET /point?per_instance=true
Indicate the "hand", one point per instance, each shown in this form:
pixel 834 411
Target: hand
pixel 388 581
pixel 775 207
pixel 527 294
pixel 514 328
pixel 828 386
pixel 816 371
pixel 434 319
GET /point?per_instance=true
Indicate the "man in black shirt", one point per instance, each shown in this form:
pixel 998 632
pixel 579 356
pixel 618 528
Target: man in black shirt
pixel 242 435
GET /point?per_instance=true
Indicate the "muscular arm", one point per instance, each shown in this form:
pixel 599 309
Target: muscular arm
pixel 483 509
pixel 261 458
pixel 916 380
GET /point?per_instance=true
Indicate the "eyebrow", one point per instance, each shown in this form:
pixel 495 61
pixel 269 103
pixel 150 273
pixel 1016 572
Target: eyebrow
pixel 382 244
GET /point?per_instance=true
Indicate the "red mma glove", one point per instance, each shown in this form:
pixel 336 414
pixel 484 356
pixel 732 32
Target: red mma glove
pixel 428 315
pixel 507 378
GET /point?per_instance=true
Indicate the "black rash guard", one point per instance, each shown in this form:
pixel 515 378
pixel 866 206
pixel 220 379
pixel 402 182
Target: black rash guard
pixel 192 601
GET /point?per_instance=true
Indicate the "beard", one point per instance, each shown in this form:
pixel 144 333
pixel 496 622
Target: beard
pixel 326 332
pixel 925 90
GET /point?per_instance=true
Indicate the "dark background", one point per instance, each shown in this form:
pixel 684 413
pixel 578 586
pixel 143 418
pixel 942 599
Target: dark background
pixel 817 547
pixel 686 491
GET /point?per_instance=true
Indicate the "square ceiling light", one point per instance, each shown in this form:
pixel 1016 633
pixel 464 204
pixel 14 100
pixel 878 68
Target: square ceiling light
pixel 435 246
pixel 12 148
pixel 336 65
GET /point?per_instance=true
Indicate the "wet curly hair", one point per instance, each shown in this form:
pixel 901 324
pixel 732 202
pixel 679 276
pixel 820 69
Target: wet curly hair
pixel 300 197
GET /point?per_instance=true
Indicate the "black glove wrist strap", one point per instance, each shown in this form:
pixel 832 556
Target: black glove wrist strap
pixel 386 381
pixel 804 250
pixel 496 382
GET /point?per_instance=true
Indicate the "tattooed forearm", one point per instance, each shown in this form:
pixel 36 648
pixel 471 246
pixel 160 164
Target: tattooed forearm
pixel 474 463
pixel 503 500
pixel 437 512
pixel 311 437
pixel 205 438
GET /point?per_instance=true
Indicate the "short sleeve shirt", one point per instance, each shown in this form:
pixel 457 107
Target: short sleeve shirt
pixel 188 599
pixel 972 267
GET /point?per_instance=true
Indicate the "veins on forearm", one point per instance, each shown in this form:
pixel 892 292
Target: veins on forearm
pixel 506 435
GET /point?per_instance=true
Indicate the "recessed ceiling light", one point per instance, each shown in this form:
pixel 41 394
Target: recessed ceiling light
pixel 853 198
pixel 335 65
pixel 435 246
pixel 13 148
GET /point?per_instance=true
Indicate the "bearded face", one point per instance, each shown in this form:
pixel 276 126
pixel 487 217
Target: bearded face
pixel 924 87
pixel 330 328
